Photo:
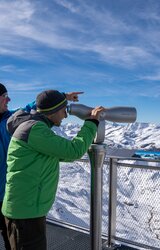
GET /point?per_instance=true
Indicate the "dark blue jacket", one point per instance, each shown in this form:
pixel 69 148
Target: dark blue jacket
pixel 4 142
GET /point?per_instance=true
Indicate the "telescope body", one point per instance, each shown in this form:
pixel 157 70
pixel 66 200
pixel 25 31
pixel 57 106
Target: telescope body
pixel 114 114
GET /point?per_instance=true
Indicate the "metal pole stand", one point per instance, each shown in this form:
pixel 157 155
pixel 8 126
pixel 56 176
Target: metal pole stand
pixel 96 155
pixel 110 243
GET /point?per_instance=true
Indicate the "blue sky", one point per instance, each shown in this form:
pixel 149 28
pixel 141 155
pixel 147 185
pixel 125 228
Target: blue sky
pixel 109 49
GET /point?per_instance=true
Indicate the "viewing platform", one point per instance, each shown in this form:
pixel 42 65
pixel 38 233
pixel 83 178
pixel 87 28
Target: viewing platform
pixel 60 237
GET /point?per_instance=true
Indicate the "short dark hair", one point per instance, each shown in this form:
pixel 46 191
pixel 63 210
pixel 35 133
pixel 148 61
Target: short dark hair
pixel 2 89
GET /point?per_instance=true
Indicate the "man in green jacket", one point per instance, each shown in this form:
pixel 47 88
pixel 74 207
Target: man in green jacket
pixel 33 166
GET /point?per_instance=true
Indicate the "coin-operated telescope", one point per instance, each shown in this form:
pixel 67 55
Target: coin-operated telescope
pixel 96 155
pixel 115 114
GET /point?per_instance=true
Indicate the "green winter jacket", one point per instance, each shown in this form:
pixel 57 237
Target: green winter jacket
pixel 33 164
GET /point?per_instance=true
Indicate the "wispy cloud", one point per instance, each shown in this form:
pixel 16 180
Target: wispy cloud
pixel 29 24
pixel 155 77
pixel 29 87
pixel 11 68
pixel 71 6
pixel 109 49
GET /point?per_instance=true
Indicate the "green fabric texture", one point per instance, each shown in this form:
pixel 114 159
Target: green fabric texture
pixel 33 168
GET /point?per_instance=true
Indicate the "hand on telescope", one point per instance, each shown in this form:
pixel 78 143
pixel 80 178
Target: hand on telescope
pixel 73 96
pixel 95 114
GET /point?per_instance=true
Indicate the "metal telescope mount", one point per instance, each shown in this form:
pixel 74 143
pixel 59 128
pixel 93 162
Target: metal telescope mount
pixel 96 153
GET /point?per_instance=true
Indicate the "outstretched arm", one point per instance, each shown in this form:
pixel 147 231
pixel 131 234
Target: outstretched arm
pixel 73 96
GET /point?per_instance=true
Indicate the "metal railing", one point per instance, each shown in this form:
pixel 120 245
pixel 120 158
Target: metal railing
pixel 137 213
pixel 130 210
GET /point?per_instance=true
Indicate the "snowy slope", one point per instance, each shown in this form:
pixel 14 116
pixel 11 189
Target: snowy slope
pixel 138 190
pixel 144 136
pixel 137 135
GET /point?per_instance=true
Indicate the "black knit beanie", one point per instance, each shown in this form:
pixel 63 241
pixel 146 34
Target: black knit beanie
pixel 50 101
pixel 2 89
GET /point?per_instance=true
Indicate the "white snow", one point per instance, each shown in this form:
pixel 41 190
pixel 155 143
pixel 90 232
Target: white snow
pixel 138 190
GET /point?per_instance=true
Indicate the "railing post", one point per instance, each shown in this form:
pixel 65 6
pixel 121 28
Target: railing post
pixel 110 244
pixel 96 155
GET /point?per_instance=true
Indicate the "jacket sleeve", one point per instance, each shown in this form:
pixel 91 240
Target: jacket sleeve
pixel 30 106
pixel 27 108
pixel 45 141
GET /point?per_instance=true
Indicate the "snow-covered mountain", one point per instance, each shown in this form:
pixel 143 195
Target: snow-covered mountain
pixel 138 190
pixel 144 136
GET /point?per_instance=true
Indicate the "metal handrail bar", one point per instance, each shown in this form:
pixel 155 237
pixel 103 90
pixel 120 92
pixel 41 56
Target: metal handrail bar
pixel 106 161
pixel 66 224
pixel 136 159
pixel 130 243
pixel 136 165
pixel 104 236
pixel 133 158
pixel 121 163
pixel 71 226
